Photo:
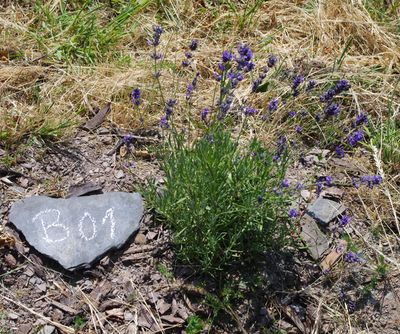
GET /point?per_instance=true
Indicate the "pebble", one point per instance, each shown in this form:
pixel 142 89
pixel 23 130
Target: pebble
pixel 13 316
pixel 140 239
pixel 119 174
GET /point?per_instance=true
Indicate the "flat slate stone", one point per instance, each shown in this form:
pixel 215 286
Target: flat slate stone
pixel 317 243
pixel 78 231
pixel 324 210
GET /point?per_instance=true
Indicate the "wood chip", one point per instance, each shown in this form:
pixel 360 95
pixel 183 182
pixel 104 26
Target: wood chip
pixel 97 119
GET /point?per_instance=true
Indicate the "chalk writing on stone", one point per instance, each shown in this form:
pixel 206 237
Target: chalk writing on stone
pixel 110 216
pixel 87 219
pixel 49 219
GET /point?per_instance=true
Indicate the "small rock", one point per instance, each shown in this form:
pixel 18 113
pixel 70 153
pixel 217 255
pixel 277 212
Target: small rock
pixel 140 239
pixel 334 193
pixel 10 260
pixel 107 140
pixel 12 316
pixel 119 174
pixel 42 287
pixel 27 165
pixel 47 329
pixel 128 316
pixel 24 183
pixel 324 210
pixel 2 152
pixel 305 194
pixel 24 329
pixel 102 131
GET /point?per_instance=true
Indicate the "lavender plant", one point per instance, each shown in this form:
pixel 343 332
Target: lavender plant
pixel 218 198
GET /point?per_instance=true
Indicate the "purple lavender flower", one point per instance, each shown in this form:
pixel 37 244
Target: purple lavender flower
pixel 281 147
pixel 299 185
pixel 328 95
pixel 188 55
pixel 354 183
pixel 249 111
pixel 354 138
pixel 157 31
pixel 189 90
pixel 226 56
pixel 204 114
pixel 297 81
pixel 371 180
pixel 310 85
pixel 332 109
pixel 164 122
pixel 272 60
pixel 285 183
pixel 243 60
pixel 318 118
pixel 351 257
pixel 135 95
pixel 156 55
pixel 361 119
pixel 217 77
pixel 339 152
pixel 298 129
pixel 273 105
pixel 328 181
pixel 193 45
pixel 341 86
pixel 344 220
pixel 291 114
pixel 169 107
pixel 185 63
pixel 292 213
pixel 127 139
pixel 256 83
pixel 224 107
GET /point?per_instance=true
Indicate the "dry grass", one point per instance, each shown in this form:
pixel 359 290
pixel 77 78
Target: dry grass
pixel 313 33
pixel 40 94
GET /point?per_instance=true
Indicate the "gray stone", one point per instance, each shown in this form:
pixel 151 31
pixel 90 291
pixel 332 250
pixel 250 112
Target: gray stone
pixel 324 210
pixel 78 231
pixel 316 241
pixel 47 329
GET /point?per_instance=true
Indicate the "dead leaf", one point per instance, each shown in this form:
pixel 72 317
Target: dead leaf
pixel 6 240
pixel 97 119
